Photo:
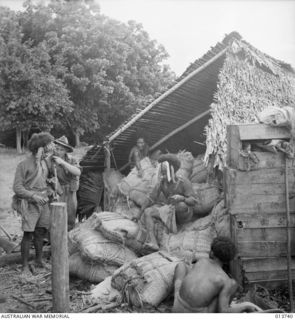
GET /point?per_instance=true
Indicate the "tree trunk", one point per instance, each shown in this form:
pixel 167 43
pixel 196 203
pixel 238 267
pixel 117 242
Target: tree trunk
pixel 25 134
pixel 77 139
pixel 18 140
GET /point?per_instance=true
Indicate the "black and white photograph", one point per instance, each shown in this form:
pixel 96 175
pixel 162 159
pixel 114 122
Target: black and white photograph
pixel 147 158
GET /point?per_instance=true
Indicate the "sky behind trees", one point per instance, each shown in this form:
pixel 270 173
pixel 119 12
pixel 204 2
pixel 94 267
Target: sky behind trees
pixel 188 28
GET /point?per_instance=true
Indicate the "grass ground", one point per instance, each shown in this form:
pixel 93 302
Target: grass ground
pixel 9 160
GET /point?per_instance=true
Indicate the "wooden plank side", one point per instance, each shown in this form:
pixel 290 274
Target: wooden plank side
pixel 267 189
pixel 263 220
pixel 258 205
pixel 229 187
pixel 268 275
pixel 262 176
pixel 263 234
pixel 265 264
pixel 262 132
pixel 262 249
pixel 263 160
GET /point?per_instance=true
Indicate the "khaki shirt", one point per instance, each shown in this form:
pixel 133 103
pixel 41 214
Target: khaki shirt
pixel 26 172
pixel 64 176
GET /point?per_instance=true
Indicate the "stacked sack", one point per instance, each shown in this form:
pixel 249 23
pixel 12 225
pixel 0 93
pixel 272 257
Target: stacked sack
pixel 93 257
pixel 112 243
pixel 103 243
pixel 186 164
pixel 147 280
pixel 137 188
pixel 207 193
pixel 199 170
pixel 124 231
pixel 193 241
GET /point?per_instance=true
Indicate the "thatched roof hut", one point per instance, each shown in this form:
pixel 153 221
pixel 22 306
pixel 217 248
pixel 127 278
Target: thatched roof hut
pixel 228 85
pixel 248 82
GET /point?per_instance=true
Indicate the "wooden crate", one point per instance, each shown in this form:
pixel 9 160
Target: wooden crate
pixel 255 194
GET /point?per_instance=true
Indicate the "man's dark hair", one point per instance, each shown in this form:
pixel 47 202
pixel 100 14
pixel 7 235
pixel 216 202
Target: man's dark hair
pixel 39 140
pixel 223 248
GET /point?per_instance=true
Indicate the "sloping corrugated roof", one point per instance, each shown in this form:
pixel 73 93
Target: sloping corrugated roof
pixel 185 105
pixel 188 100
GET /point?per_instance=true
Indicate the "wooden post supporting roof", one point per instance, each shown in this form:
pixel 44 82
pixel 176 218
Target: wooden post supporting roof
pixel 59 257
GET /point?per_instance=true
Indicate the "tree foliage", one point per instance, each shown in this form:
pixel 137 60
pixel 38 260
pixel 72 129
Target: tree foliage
pixel 69 65
pixel 31 94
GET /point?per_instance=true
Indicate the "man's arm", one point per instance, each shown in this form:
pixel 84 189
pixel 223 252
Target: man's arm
pixel 188 193
pixel 19 183
pixel 225 297
pixel 70 167
pixel 181 271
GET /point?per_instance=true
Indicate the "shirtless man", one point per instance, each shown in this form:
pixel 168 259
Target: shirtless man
pixel 206 288
pixel 137 153
pixel 177 191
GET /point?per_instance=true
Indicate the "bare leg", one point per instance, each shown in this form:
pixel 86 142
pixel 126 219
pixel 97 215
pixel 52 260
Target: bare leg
pixel 39 235
pixel 25 250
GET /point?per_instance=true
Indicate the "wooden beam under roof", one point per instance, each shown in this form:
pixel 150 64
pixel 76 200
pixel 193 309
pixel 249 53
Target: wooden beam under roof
pixel 172 133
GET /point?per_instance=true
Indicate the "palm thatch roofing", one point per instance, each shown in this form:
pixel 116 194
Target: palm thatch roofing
pixel 228 85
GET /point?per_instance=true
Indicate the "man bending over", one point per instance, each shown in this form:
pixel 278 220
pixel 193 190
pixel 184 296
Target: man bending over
pixel 206 288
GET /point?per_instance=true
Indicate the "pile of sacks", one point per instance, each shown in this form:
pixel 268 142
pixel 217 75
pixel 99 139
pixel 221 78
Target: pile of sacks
pixel 103 243
pixel 128 194
pixel 145 280
pixel 112 250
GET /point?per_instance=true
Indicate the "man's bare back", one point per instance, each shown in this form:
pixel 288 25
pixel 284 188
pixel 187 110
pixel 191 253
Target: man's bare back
pixel 201 286
pixel 205 287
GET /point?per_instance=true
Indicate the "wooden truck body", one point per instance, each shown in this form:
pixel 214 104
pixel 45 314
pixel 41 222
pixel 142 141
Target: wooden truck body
pixel 255 194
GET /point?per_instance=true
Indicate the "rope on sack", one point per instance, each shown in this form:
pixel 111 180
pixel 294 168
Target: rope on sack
pixel 126 291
